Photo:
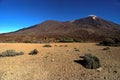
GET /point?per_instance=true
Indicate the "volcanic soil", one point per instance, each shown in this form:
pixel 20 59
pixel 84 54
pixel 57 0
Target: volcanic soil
pixel 58 62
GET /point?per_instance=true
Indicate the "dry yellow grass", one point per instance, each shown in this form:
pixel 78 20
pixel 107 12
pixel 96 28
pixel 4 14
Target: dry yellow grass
pixel 57 62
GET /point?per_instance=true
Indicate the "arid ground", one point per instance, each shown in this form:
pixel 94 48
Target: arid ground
pixel 58 62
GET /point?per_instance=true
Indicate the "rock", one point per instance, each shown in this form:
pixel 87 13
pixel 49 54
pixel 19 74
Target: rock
pixel 89 50
pixel 52 60
pixel 115 71
pixel 45 57
pixel 99 69
pixel 109 70
pixel 105 78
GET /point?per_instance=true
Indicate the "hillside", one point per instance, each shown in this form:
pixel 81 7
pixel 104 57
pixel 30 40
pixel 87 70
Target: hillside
pixel 91 28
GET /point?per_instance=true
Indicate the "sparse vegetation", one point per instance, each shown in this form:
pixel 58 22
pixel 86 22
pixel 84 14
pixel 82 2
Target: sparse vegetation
pixel 76 49
pixel 91 62
pixel 107 42
pixel 34 52
pixel 110 42
pixel 27 41
pixel 78 40
pixel 70 40
pixel 10 53
pixel 107 48
pixel 65 45
pixel 66 40
pixel 56 45
pixel 61 46
pixel 59 60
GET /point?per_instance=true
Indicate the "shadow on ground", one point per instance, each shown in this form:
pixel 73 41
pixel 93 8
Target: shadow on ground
pixel 81 62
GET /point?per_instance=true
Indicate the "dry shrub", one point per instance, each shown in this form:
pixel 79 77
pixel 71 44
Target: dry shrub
pixel 34 52
pixel 91 62
pixel 9 53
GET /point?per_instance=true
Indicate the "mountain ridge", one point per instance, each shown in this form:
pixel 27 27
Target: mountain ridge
pixel 91 28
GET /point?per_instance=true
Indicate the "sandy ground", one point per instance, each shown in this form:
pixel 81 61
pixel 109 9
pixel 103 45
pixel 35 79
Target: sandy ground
pixel 58 62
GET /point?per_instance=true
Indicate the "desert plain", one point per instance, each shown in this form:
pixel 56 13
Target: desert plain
pixel 58 62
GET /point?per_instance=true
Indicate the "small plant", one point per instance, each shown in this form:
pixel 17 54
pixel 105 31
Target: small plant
pixel 78 40
pixel 91 62
pixel 47 45
pixel 75 49
pixel 34 52
pixel 107 42
pixel 110 42
pixel 11 53
pixel 65 45
pixel 61 46
pixel 107 48
pixel 27 41
pixel 56 45
pixel 66 40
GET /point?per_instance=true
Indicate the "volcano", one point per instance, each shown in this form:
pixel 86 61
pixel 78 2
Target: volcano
pixel 91 29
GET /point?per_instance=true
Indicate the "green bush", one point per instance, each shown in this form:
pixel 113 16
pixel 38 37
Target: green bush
pixel 27 41
pixel 107 42
pixel 11 53
pixel 110 42
pixel 34 52
pixel 107 48
pixel 91 62
pixel 78 40
pixel 70 40
pixel 66 40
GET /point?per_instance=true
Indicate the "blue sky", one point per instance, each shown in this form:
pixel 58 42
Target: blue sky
pixel 17 14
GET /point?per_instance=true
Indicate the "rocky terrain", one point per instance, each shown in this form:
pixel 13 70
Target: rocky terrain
pixel 59 62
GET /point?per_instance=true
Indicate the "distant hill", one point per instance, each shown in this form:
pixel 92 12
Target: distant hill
pixel 91 28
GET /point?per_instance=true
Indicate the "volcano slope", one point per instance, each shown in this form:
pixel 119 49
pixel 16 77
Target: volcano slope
pixel 88 29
